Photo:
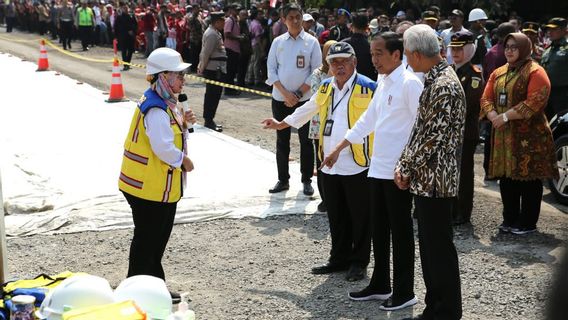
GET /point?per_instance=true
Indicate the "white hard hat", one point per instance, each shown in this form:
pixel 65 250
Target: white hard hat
pixel 75 292
pixel 477 14
pixel 149 293
pixel 307 17
pixel 165 59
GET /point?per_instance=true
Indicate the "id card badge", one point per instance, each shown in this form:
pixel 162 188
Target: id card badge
pixel 502 99
pixel 300 62
pixel 328 127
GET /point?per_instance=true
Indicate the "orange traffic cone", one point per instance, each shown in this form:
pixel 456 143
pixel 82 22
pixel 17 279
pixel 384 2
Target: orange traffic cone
pixel 42 63
pixel 116 89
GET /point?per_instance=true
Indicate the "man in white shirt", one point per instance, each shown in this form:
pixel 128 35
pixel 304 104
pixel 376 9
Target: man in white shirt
pixel 340 101
pixel 456 19
pixel 391 116
pixel 292 59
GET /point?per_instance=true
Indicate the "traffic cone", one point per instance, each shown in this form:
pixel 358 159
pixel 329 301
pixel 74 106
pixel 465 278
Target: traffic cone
pixel 42 63
pixel 116 89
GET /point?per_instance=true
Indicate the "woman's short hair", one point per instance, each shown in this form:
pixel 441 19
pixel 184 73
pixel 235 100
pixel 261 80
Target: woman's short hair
pixel 422 38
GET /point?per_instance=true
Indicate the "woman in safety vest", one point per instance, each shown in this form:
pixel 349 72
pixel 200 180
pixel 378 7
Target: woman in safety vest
pixel 155 161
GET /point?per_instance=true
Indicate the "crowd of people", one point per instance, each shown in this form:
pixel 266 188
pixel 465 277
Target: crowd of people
pixel 390 109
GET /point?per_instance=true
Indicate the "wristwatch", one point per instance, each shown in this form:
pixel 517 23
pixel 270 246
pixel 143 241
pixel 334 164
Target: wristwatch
pixel 298 93
pixel 505 119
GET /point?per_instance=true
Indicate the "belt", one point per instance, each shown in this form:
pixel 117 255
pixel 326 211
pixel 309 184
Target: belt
pixel 218 59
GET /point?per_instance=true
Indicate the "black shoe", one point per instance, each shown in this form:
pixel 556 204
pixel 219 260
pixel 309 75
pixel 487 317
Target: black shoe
pixel 176 298
pixel 308 190
pixel 322 207
pixel 396 304
pixel 356 273
pixel 279 187
pixel 368 294
pixel 232 93
pixel 418 317
pixel 126 67
pixel 520 231
pixel 329 268
pixel 505 228
pixel 213 126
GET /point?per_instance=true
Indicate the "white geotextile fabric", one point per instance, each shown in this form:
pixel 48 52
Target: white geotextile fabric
pixel 61 150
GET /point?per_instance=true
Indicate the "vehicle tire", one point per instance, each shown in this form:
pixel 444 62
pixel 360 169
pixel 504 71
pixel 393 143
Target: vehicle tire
pixel 560 187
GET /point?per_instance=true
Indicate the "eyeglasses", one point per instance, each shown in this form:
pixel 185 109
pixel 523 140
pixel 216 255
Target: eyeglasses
pixel 511 48
pixel 180 74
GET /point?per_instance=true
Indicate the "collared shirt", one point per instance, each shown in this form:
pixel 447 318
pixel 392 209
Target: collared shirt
pixel 161 136
pixel 433 154
pixel 555 62
pixel 391 115
pixel 345 164
pixel 232 26
pixel 284 62
pixel 212 47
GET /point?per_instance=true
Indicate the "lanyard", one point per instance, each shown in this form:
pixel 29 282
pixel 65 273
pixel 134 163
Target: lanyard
pixel 333 107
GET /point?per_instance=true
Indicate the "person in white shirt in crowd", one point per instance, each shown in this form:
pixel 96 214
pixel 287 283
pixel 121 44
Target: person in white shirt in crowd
pixel 390 116
pixel 456 19
pixel 340 101
pixel 292 59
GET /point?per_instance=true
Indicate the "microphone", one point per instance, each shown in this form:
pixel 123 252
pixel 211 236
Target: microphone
pixel 182 98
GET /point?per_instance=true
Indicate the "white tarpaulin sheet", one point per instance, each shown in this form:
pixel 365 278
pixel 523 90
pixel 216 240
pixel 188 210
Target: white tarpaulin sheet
pixel 61 150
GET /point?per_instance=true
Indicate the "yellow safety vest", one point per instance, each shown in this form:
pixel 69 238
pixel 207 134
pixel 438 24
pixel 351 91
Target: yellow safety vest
pixel 85 17
pixel 143 174
pixel 359 100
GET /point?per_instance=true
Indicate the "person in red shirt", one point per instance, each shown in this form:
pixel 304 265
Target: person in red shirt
pixel 149 21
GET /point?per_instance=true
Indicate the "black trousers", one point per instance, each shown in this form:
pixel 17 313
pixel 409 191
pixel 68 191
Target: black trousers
pixel 242 70
pixel 391 216
pixel 320 174
pixel 153 224
pixel 232 67
pixel 348 211
pixel 85 35
pixel 281 111
pixel 521 202
pixel 463 206
pixel 10 22
pixel 212 95
pixel 126 45
pixel 557 101
pixel 194 51
pixel 440 267
pixel 66 33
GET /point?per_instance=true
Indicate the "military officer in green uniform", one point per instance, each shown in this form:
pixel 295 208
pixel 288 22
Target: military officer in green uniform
pixel 462 49
pixel 555 62
pixel 530 29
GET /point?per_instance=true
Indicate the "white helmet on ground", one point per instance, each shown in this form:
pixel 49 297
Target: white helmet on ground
pixel 165 59
pixel 476 15
pixel 149 293
pixel 75 292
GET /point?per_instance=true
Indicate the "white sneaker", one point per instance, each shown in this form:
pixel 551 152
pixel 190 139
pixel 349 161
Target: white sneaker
pixel 391 305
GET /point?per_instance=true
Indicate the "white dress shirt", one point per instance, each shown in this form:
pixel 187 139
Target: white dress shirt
pixel 283 58
pixel 345 164
pixel 161 135
pixel 391 115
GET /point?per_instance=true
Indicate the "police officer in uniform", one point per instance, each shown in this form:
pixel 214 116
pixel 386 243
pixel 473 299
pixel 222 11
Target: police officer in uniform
pixel 530 29
pixel 340 31
pixel 462 49
pixel 555 62
pixel 213 66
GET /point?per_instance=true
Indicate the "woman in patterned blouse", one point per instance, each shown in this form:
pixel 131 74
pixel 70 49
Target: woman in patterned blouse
pixel 522 148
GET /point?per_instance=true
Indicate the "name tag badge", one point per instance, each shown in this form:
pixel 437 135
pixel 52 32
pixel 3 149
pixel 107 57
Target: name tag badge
pixel 300 62
pixel 502 99
pixel 328 127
